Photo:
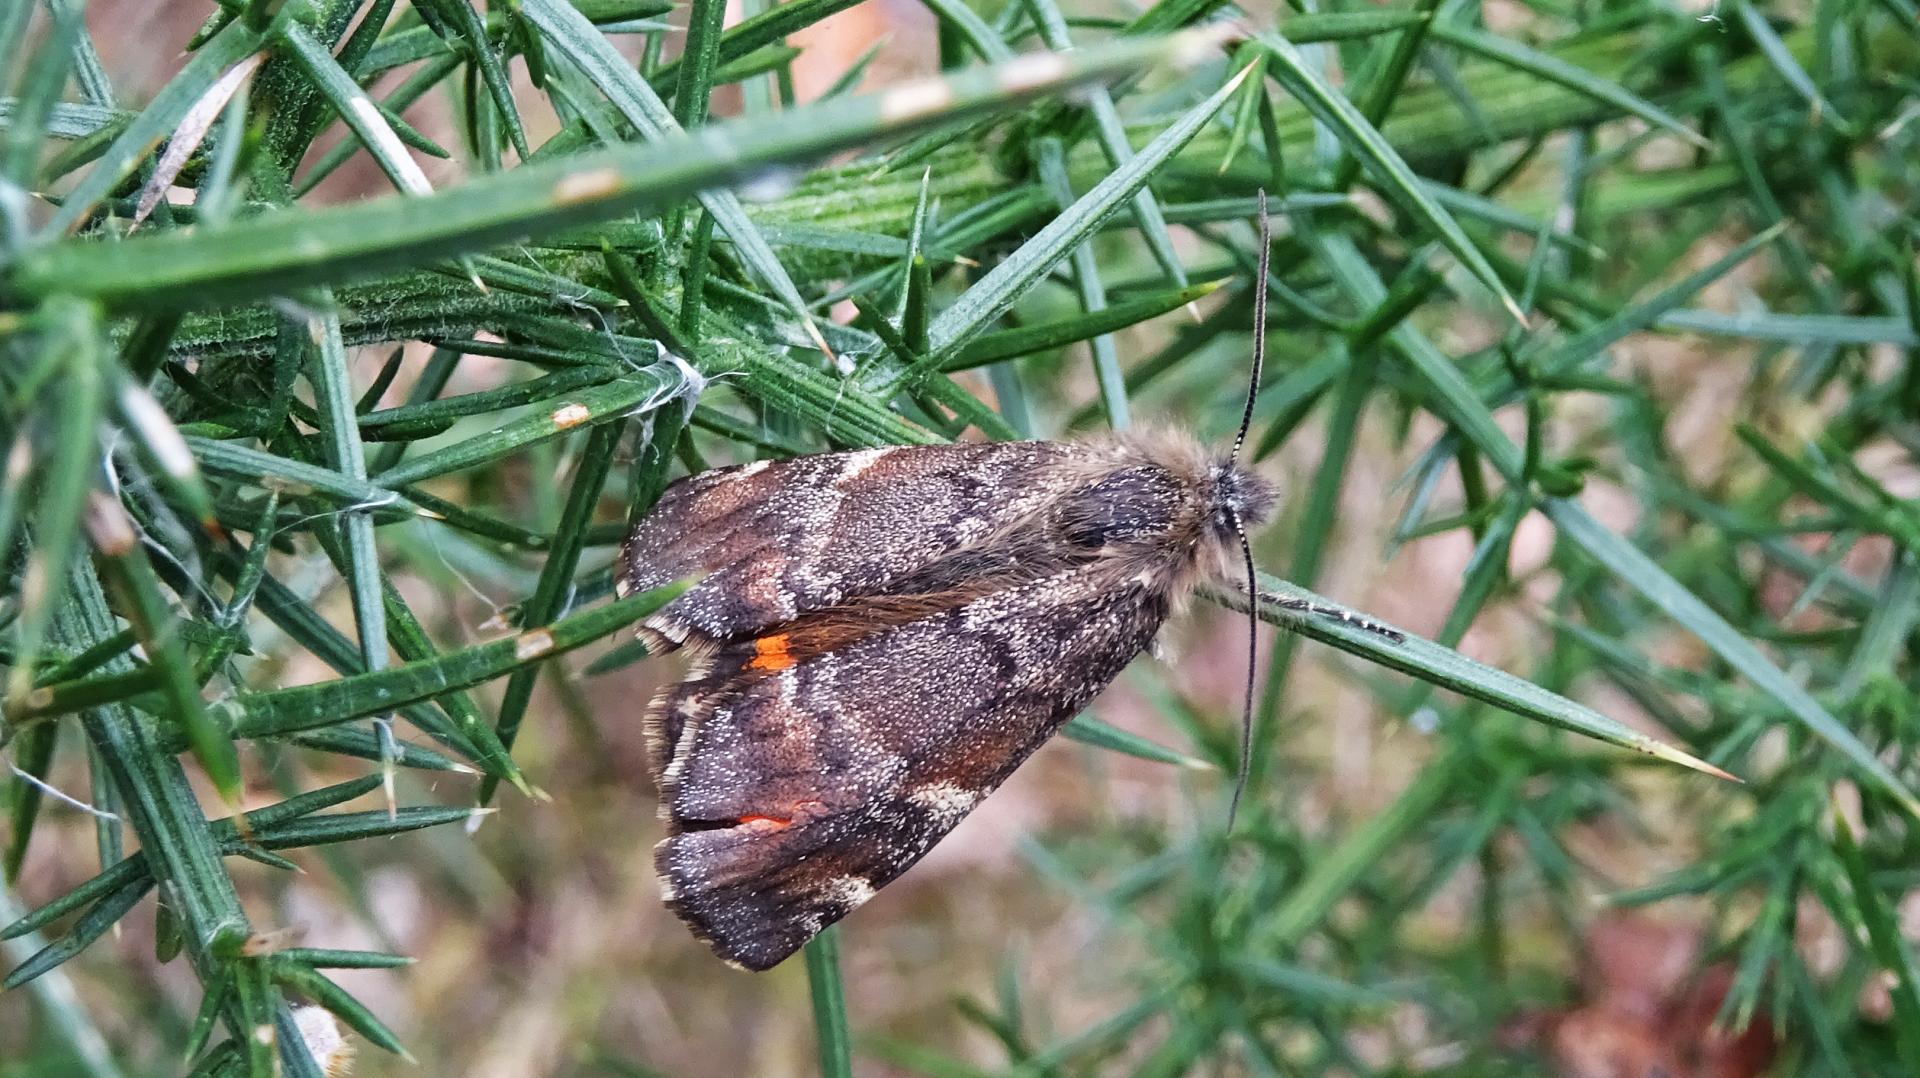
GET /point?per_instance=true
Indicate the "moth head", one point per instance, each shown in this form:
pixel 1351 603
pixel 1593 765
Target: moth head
pixel 1240 497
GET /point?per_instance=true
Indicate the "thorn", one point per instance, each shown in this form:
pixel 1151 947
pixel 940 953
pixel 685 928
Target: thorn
pixel 840 363
pixel 1513 310
pixel 1667 752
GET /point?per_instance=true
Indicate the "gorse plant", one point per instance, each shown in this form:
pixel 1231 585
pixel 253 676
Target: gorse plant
pixel 194 452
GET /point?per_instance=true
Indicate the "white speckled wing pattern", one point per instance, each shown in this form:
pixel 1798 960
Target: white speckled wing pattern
pixel 780 537
pixel 883 637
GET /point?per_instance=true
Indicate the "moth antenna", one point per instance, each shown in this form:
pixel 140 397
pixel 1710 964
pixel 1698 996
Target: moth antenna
pixel 1246 548
pixel 1253 662
pixel 1259 328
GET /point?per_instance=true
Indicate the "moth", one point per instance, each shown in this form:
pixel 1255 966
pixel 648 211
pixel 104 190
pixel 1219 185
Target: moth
pixel 880 637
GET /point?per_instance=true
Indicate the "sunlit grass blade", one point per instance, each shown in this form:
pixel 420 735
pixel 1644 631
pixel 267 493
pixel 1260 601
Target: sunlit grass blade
pixel 417 84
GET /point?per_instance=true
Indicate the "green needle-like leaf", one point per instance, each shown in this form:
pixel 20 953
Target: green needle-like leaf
pixel 272 254
pixel 286 711
pixel 1398 181
pixel 1026 267
pixel 1091 731
pixel 1448 669
pixel 1557 70
pixel 362 116
pixel 158 119
pixel 834 1042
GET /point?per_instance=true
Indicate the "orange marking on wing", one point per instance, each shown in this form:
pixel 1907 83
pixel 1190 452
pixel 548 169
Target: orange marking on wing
pixel 770 654
pixel 776 823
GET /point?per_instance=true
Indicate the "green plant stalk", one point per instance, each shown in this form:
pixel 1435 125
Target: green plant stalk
pixel 286 711
pixel 339 427
pixel 177 839
pixel 556 576
pixel 829 1004
pixel 1424 126
pixel 698 59
pixel 65 477
pixel 277 252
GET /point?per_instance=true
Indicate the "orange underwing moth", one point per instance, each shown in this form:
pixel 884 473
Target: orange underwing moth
pixel 881 636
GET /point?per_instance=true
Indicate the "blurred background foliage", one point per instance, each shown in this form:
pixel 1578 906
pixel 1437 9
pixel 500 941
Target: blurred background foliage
pixel 339 340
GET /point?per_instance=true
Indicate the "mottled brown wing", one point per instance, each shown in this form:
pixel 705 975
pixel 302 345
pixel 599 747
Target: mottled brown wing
pixel 779 538
pixel 794 792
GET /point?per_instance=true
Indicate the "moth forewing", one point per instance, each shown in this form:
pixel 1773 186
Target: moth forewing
pixel 883 636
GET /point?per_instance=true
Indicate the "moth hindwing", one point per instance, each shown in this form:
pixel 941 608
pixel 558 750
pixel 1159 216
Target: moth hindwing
pixel 881 637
